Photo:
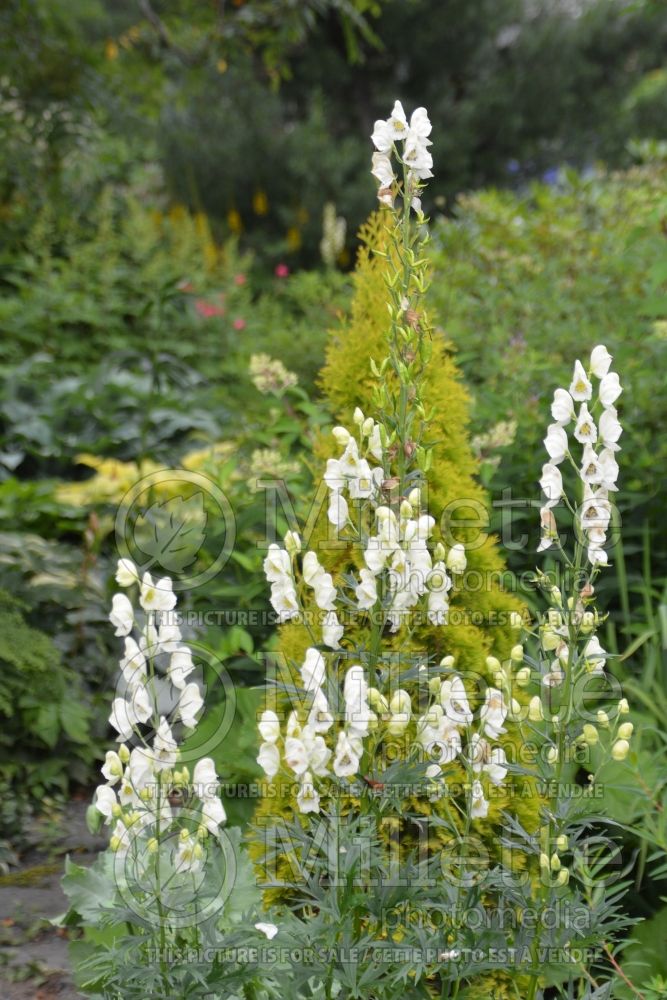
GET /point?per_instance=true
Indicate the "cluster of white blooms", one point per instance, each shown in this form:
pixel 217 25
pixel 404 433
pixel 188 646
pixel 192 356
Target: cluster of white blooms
pixel 155 668
pixel 314 748
pixel 304 748
pixel 597 430
pixel 414 154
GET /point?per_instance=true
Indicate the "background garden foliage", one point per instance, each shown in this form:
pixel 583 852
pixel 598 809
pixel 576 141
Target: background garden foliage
pixel 163 181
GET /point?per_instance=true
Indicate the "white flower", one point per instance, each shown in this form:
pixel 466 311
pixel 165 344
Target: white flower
pixel 318 752
pixel 113 767
pixel 126 573
pixel 610 389
pixel 549 528
pixel 320 581
pixel 382 170
pixel 189 704
pixel 332 630
pixel 485 758
pixel 438 607
pixel 346 760
pixel 269 726
pixel 456 558
pixel 284 600
pixel 493 713
pixel 140 706
pixel 205 779
pixel 375 443
pixel 479 807
pixel 608 469
pixel 313 669
pixel 366 590
pixel 121 615
pixel 296 755
pixel 594 655
pixel 213 814
pixel 610 428
pixel 454 701
pixel 562 408
pixel 551 483
pixel 397 122
pixel 307 800
pixel 382 136
pixel 292 542
pixel 180 667
pixel 269 930
pixel 355 688
pixel 585 430
pixel 169 636
pixel 334 476
pixel 187 859
pixel 338 511
pixel 121 719
pixel 133 664
pixel 597 556
pixel 268 759
pixel 420 125
pixel 581 388
pixel 165 748
pixel 556 443
pixel 158 596
pixel 277 564
pixel 600 361
pixel 320 718
pixel 591 471
pixel 105 800
pixel 418 158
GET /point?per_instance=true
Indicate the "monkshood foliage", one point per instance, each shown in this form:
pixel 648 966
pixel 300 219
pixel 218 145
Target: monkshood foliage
pixel 391 757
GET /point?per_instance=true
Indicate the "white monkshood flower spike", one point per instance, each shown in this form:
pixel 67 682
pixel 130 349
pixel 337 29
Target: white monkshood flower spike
pixel 493 714
pixel 332 630
pixel 269 759
pixel 346 760
pixel 307 800
pixel 313 669
pixel 366 590
pixel 479 806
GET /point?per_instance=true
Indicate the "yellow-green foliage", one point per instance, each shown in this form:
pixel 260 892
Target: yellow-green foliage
pixel 479 616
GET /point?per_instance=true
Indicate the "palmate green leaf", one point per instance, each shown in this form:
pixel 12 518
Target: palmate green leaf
pixel 172 532
pixel 91 891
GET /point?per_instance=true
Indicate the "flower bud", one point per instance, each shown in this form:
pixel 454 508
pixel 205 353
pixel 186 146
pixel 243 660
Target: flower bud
pixel 152 846
pixel 116 810
pixel 623 707
pixel 555 862
pixel 535 713
pixel 292 542
pixel 456 559
pixel 145 794
pixel 562 842
pixel 552 755
pixel 563 877
pixel 378 701
pixel 198 852
pixel 405 509
pixel 434 685
pixel 202 833
pixel 415 498
pixel 544 860
pixel 515 709
pixel 439 552
pixel 625 731
pixel 554 618
pixel 400 703
pixel 447 662
pixel 184 836
pixel 492 664
pixel 590 734
pixel 620 749
pixel 358 416
pixel 367 426
pixel 516 621
pixel 341 436
pixel 123 753
pixel 516 653
pixel 587 622
pixel 114 843
pixel 603 719
pixel 523 677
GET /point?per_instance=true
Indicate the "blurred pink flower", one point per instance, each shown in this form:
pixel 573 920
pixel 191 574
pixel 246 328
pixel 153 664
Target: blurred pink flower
pixel 240 279
pixel 208 309
pixel 281 271
pixel 239 324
